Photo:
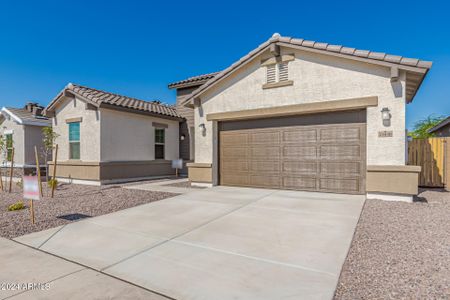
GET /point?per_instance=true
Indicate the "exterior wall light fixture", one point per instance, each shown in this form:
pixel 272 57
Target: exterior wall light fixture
pixel 386 116
pixel 202 128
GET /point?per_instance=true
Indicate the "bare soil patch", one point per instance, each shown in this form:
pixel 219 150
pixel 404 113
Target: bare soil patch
pixel 71 203
pixel 400 250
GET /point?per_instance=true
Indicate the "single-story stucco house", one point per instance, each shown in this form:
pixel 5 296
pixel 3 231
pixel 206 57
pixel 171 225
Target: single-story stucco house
pixel 442 129
pixel 105 137
pixel 22 130
pixel 304 115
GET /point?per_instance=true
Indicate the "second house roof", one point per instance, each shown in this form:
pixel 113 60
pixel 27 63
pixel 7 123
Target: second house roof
pixel 101 98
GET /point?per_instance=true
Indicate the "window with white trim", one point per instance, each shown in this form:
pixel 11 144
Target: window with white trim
pixel 9 146
pixel 278 72
pixel 160 139
pixel 74 140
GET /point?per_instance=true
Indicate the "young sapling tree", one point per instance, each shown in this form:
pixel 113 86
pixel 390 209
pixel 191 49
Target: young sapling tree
pixel 49 137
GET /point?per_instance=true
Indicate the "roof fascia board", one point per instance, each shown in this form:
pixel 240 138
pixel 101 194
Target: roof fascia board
pixel 188 102
pixel 190 84
pixel 65 93
pixel 16 118
pixel 139 112
pixel 362 59
pixel 440 125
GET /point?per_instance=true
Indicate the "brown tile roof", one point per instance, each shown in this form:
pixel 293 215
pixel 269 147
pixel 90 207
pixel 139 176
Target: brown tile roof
pixel 195 80
pixel 99 98
pixel 325 48
pixel 27 117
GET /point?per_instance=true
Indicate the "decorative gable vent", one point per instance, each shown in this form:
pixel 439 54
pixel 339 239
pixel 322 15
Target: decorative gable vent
pixel 283 71
pixel 271 74
pixel 277 72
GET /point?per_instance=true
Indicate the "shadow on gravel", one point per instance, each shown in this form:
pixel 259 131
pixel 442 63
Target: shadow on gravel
pixel 74 217
pixel 420 199
pixel 439 190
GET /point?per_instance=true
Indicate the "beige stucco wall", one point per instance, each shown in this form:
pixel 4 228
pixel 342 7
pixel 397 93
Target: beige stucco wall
pixel 33 137
pixel 109 135
pixel 316 78
pixel 18 140
pixel 89 129
pixel 130 137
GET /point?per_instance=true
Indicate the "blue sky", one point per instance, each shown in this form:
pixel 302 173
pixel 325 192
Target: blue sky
pixel 137 47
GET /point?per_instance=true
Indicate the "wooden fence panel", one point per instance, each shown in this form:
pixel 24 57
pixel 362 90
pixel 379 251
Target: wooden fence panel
pixel 430 155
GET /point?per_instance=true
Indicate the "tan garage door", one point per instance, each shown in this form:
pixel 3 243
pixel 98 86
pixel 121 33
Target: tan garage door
pixel 327 158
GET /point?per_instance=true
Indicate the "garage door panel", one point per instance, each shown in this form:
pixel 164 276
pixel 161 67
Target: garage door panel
pixel 265 137
pixel 300 152
pixel 303 136
pixel 237 139
pixel 343 185
pixel 235 153
pixel 299 182
pixel 300 167
pixel 239 166
pixel 265 152
pixel 340 134
pixel 265 166
pixel 268 181
pixel 235 179
pixel 328 158
pixel 340 151
pixel 340 168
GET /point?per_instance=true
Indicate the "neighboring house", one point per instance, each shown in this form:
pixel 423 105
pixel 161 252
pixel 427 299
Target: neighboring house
pixel 187 128
pixel 304 115
pixel 442 129
pixel 105 137
pixel 22 130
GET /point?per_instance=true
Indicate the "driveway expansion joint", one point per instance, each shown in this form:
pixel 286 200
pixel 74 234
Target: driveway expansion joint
pixel 188 231
pixel 51 236
pixel 86 267
pixel 269 261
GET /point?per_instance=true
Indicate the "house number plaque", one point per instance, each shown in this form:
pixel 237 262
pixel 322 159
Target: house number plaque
pixel 385 133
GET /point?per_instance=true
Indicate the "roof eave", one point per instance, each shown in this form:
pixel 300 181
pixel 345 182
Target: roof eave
pixel 141 112
pixel 417 88
pixel 13 116
pixel 444 122
pixel 263 47
pixel 66 92
pixel 186 85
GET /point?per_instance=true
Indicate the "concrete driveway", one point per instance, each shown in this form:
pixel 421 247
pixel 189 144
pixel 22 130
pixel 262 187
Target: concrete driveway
pixel 218 243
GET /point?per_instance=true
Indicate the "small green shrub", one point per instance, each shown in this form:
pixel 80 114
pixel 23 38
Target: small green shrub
pixel 16 206
pixel 53 183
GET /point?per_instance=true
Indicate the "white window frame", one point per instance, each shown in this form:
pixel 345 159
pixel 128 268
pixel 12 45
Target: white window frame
pixel 163 144
pixel 74 142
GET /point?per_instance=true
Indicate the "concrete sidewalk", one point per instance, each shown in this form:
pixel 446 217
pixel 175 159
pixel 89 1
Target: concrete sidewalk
pixel 27 273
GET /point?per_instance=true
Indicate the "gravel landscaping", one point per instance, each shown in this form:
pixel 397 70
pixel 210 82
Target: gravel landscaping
pixel 400 250
pixel 71 203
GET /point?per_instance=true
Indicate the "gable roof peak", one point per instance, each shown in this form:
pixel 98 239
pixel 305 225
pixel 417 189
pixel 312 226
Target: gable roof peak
pixel 418 68
pixel 275 36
